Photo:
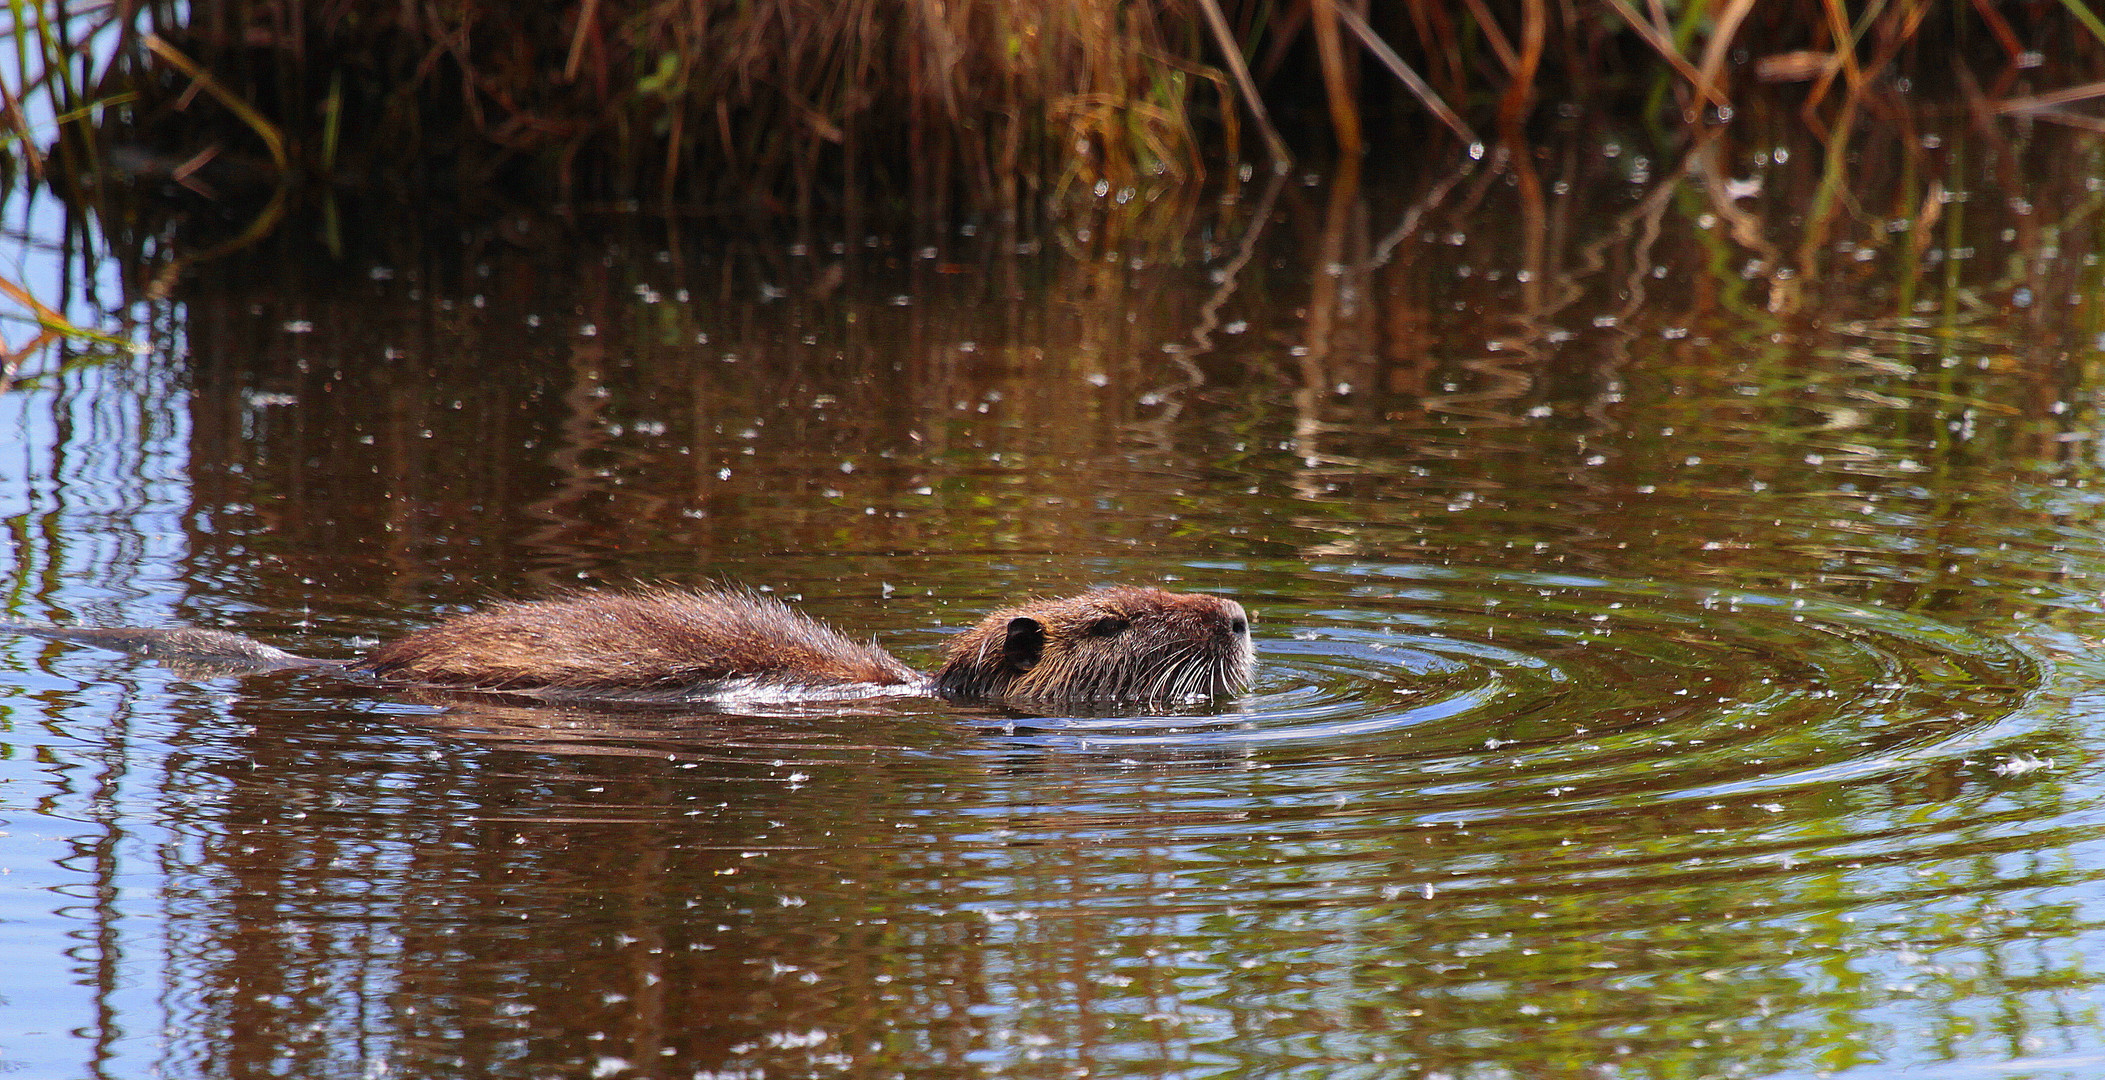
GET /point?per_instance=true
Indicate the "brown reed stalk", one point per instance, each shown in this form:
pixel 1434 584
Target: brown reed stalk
pixel 1655 35
pixel 1340 88
pixel 1231 55
pixel 1520 91
pixel 1373 42
pixel 1015 111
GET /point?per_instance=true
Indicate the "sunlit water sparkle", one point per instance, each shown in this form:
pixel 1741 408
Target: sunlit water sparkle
pixel 1727 704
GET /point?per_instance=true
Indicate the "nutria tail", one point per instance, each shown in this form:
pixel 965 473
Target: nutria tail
pixel 176 645
pixel 656 643
pixel 1114 644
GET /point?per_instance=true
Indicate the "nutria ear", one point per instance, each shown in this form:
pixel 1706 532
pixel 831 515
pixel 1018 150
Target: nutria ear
pixel 1025 641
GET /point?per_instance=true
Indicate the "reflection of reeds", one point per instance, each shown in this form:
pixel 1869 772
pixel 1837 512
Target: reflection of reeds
pixel 50 327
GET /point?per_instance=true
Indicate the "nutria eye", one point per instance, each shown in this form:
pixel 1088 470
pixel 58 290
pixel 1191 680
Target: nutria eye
pixel 1106 626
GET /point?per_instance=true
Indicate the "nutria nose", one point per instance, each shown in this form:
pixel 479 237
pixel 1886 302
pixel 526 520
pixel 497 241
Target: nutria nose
pixel 1238 619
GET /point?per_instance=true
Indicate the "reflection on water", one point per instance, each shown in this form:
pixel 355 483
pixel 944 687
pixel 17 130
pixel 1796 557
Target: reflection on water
pixel 1670 666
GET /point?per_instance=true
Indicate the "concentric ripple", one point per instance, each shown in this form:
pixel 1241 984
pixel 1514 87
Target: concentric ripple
pixel 1501 688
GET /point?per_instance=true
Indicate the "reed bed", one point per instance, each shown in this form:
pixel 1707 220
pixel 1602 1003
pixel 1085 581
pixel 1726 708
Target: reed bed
pixel 1006 114
pixel 944 107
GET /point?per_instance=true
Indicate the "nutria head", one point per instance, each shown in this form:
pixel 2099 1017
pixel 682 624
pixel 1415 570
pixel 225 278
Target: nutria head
pixel 1115 644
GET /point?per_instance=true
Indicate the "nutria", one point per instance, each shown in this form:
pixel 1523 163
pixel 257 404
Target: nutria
pixel 1122 643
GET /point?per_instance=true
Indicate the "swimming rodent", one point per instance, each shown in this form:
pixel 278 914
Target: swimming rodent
pixel 1121 643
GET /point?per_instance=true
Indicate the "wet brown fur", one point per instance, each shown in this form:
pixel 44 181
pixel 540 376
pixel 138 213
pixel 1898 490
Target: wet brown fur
pixel 656 642
pixel 1121 643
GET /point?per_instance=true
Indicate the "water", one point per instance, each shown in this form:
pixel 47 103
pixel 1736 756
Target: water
pixel 1669 667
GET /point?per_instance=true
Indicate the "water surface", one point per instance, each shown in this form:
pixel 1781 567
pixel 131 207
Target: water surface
pixel 1676 656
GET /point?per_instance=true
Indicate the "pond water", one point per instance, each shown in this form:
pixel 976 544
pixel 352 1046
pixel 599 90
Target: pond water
pixel 1676 611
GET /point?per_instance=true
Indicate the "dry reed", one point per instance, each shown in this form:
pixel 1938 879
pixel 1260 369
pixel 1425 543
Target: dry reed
pixel 1006 112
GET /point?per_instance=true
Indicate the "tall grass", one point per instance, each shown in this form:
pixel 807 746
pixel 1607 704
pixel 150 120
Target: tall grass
pixel 804 109
pixel 1009 113
pixel 57 86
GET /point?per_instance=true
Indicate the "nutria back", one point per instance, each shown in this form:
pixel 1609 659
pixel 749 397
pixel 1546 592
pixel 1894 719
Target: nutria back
pixel 1124 643
pixel 653 643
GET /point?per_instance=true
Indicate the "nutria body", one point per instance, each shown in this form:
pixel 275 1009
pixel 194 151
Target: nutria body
pixel 654 643
pixel 1114 644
